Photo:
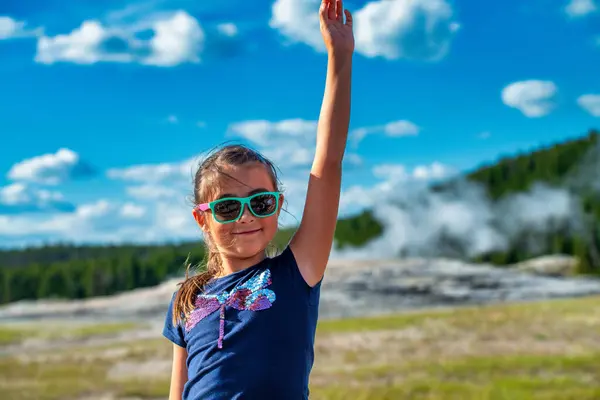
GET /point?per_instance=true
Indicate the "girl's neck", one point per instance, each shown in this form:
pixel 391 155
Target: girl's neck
pixel 230 265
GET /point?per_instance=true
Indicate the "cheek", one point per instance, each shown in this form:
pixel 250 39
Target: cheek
pixel 270 224
pixel 221 232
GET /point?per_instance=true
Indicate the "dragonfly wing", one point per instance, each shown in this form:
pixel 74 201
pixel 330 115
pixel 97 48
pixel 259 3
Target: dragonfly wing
pixel 237 299
pixel 259 281
pixel 260 300
pixel 204 307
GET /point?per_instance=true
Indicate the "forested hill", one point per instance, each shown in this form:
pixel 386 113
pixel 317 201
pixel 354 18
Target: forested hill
pixel 552 165
pixel 84 271
pixel 572 165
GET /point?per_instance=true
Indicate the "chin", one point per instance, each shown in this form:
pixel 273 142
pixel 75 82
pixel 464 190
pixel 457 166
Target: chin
pixel 249 250
pixel 248 246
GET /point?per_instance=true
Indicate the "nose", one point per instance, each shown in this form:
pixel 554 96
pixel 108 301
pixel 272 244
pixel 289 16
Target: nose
pixel 247 216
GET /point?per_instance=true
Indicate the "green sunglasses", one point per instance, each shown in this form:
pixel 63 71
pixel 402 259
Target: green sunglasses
pixel 230 209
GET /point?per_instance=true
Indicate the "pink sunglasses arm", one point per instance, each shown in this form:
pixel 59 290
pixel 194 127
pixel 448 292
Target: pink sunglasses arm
pixel 203 207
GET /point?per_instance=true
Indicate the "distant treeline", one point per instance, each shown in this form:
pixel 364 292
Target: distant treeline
pixel 68 271
pixel 76 272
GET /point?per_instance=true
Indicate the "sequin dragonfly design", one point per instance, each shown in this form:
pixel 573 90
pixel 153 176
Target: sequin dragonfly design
pixel 252 295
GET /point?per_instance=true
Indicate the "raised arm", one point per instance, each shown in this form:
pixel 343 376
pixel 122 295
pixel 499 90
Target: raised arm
pixel 313 241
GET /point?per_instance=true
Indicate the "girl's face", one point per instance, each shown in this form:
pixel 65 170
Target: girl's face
pixel 250 235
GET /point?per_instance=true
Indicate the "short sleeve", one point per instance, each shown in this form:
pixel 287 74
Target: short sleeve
pixel 312 292
pixel 172 332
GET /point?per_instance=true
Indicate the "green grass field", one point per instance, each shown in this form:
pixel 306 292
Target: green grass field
pixel 19 333
pixel 541 350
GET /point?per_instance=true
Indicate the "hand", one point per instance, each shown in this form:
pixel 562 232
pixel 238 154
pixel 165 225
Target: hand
pixel 337 35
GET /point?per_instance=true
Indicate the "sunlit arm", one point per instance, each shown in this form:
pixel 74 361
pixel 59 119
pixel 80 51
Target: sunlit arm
pixel 313 241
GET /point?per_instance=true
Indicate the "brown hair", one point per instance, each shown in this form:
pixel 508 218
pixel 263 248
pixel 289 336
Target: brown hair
pixel 207 174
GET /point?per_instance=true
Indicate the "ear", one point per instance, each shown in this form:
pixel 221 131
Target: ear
pixel 200 218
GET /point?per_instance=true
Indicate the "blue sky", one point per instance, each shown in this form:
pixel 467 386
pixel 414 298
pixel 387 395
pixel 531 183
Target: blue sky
pixel 106 104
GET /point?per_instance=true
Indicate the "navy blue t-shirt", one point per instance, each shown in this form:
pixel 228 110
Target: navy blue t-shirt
pixel 251 335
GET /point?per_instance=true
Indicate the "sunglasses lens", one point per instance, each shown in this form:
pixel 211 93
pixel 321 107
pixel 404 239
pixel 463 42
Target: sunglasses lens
pixel 264 204
pixel 227 210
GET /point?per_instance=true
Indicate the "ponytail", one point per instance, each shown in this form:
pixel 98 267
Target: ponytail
pixel 191 286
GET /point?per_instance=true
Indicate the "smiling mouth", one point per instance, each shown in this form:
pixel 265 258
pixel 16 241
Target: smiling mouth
pixel 247 232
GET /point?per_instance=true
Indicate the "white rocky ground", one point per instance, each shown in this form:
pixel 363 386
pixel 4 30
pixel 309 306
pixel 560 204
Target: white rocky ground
pixel 354 288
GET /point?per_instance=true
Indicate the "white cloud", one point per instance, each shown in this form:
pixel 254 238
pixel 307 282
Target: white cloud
pixel 287 143
pixel 155 172
pixel 392 129
pixel 358 134
pixel 401 128
pixel 534 98
pixel 17 193
pixel 172 119
pixel 295 186
pixel 158 212
pixel 410 29
pixel 168 202
pixel 353 159
pixel 19 197
pixel 13 29
pixel 165 196
pixel 228 29
pixel 390 172
pixel 81 46
pixel 580 8
pixel 290 144
pixel 130 210
pixel 298 21
pixel 393 173
pixel 174 220
pixel 51 169
pixel 158 209
pixel 430 172
pixel 105 221
pixel 178 38
pixel 263 132
pixel 590 103
pixel 132 11
pixel 152 191
pixel 392 29
pixel 291 155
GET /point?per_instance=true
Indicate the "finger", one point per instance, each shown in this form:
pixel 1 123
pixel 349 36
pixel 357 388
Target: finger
pixel 323 10
pixel 331 9
pixel 339 10
pixel 348 18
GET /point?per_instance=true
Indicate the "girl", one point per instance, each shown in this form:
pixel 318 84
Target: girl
pixel 245 328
